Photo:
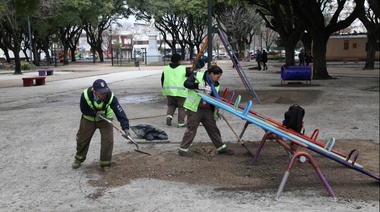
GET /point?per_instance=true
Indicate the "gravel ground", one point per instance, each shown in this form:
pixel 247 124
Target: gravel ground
pixel 40 123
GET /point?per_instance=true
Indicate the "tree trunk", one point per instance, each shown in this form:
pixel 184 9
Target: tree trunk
pixel 100 53
pixel 65 56
pixel 191 52
pixel 319 59
pixel 307 42
pixel 47 54
pixel 241 48
pixel 289 54
pixel 16 52
pixel 34 57
pixel 372 36
pixel 73 59
pixel 290 44
pixel 183 53
pixel 7 57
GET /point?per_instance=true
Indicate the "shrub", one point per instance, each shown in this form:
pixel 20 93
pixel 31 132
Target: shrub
pixel 277 57
pixel 25 65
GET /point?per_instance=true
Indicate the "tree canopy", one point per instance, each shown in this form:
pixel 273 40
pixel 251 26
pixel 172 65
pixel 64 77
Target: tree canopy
pixel 185 22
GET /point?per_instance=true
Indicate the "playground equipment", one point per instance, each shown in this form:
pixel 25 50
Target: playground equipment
pixel 289 139
pixel 234 59
pixel 289 73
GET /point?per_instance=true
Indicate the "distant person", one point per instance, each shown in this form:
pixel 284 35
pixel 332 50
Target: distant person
pixel 95 101
pixel 308 58
pixel 258 58
pixel 301 58
pixel 172 79
pixel 199 111
pixel 264 60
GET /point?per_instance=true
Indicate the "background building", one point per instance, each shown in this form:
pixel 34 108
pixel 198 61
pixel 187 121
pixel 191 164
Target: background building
pixel 347 46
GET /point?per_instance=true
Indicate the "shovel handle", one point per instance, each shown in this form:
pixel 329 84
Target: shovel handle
pixel 232 129
pixel 120 130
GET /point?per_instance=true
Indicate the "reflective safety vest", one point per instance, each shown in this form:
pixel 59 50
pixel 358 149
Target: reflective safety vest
pixel 98 106
pixel 193 99
pixel 173 81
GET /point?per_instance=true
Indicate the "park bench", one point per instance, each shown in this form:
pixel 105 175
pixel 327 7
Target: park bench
pixel 29 81
pixel 353 59
pixel 298 73
pixel 45 72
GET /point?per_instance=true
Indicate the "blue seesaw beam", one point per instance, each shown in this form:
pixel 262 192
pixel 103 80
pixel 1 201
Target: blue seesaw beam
pixel 244 114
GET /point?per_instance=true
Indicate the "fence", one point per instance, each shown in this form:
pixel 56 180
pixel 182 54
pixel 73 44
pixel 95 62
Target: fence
pixel 146 60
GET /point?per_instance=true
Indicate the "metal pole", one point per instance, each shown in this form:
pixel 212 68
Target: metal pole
pixel 30 45
pixel 55 55
pixel 209 34
pixel 111 48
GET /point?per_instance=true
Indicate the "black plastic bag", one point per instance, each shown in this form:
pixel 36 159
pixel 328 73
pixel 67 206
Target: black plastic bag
pixel 149 132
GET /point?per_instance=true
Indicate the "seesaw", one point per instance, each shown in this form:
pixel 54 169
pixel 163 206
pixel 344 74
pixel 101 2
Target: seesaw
pixel 312 139
pixel 297 138
pixel 280 131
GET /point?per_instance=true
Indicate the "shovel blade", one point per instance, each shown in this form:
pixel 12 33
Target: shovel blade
pixel 142 151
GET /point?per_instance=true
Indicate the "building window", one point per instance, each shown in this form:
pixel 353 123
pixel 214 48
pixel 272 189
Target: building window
pixel 346 44
pixel 354 45
pixel 127 41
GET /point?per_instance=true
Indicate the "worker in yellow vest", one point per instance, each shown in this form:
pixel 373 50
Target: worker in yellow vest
pixel 95 101
pixel 172 79
pixel 199 111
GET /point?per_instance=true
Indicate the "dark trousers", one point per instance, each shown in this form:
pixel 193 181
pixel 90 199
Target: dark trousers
pixel 259 64
pixel 86 131
pixel 204 116
pixel 265 67
pixel 175 102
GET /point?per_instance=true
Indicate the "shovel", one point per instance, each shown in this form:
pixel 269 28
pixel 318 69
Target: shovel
pixel 123 133
pixel 239 139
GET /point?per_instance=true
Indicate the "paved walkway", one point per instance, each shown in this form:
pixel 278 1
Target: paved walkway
pixel 74 71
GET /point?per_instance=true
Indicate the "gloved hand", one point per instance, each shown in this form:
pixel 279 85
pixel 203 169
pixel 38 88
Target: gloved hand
pixel 220 114
pixel 100 113
pixel 201 86
pixel 126 133
pixel 208 89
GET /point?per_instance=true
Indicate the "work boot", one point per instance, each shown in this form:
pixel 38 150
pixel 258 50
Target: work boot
pixel 182 125
pixel 226 151
pixel 76 164
pixel 168 121
pixel 182 153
